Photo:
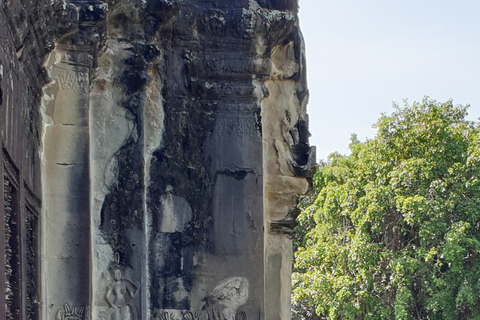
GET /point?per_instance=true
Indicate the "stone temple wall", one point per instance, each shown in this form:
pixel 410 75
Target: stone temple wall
pixel 154 152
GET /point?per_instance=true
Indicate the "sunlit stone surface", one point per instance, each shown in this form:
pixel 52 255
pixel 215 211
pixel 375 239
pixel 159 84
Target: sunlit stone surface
pixel 154 152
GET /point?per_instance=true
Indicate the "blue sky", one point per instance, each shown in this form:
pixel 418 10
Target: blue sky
pixel 364 54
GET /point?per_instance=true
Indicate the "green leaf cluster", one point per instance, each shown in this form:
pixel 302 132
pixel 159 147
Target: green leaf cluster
pixel 393 231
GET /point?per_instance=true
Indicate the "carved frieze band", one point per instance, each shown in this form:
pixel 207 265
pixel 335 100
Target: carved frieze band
pixel 228 66
pixel 224 303
pixel 235 107
pixel 235 126
pixel 78 59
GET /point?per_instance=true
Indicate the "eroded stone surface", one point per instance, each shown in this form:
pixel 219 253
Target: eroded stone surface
pixel 173 150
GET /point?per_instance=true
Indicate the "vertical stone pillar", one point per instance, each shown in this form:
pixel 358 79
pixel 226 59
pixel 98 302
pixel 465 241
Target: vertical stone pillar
pixel 205 188
pixel 288 159
pixel 66 242
pixel 65 156
pixel 118 178
pixel 21 55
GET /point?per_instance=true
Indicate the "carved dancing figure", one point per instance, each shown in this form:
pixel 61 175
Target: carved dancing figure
pixel 120 293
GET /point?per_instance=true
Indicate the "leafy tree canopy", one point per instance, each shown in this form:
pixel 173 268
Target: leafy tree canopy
pixel 393 231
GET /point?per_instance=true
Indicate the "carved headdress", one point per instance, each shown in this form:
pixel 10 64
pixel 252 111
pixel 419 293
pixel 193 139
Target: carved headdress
pixel 116 265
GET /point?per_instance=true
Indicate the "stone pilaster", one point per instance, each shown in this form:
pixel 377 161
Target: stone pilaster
pixel 65 156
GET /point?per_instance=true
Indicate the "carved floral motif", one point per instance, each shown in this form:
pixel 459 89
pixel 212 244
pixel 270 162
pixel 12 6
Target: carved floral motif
pixel 73 313
pixel 76 81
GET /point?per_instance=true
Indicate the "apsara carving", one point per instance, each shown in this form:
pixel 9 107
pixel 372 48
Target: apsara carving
pixel 120 293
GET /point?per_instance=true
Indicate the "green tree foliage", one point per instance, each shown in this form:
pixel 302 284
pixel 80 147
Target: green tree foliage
pixel 393 231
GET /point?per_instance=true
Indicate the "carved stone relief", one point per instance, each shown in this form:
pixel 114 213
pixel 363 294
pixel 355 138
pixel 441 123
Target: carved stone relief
pixel 120 292
pixel 12 246
pixel 236 126
pixel 161 158
pixel 76 81
pixel 223 303
pixel 32 267
pixel 213 314
pixel 7 209
pixel 73 313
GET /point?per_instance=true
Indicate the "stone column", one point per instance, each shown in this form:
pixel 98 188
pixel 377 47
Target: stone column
pixel 66 196
pixel 65 156
pixel 288 159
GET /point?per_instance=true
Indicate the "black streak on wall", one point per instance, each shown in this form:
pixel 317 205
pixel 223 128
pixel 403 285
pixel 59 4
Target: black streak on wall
pixel 123 206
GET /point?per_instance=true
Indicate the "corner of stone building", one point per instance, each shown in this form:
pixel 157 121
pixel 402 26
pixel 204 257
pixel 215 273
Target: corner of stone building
pixel 103 128
pixel 288 159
